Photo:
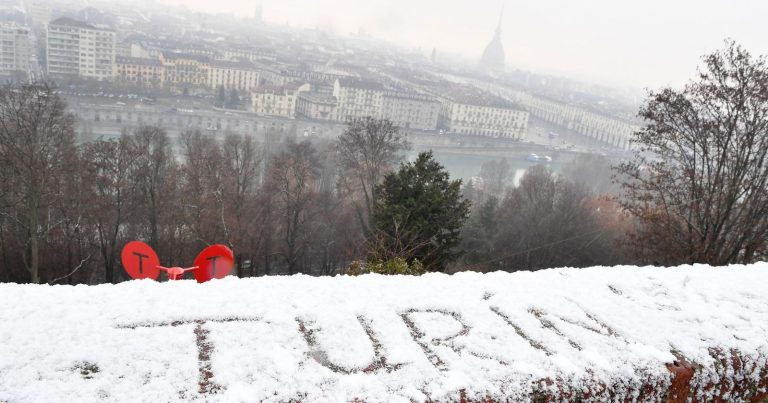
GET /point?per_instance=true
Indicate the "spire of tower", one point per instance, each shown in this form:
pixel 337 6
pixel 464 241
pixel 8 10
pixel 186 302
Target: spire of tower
pixel 501 18
pixel 493 56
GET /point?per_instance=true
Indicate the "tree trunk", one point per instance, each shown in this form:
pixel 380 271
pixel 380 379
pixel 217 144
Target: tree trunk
pixel 34 252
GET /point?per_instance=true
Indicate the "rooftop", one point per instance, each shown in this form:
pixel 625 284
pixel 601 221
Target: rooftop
pixel 234 64
pixel 279 89
pixel 137 60
pixel 361 84
pixel 410 95
pixel 69 22
pixel 186 56
pixel 468 95
pixel 318 98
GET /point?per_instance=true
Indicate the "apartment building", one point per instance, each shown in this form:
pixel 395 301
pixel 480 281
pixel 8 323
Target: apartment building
pixel 270 75
pixel 16 49
pixel 358 98
pixel 238 75
pixel 250 53
pixel 145 72
pixel 467 110
pixel 75 48
pixel 613 130
pixel 40 14
pixel 317 106
pixel 277 100
pixel 183 69
pixel 411 110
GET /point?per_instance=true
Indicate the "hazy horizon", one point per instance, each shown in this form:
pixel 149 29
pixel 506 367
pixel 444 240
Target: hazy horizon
pixel 640 45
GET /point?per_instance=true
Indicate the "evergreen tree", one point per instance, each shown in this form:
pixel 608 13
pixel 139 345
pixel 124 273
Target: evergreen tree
pixel 221 97
pixel 418 215
pixel 234 99
pixel 478 235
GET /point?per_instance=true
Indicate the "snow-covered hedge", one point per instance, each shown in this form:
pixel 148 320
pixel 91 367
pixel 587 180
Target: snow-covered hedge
pixel 599 334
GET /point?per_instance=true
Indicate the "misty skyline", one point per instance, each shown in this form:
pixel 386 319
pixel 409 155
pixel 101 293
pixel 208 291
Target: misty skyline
pixel 638 44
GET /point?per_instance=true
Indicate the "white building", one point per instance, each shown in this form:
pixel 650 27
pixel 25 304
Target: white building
pixel 277 100
pixel 317 106
pixel 40 13
pixel 76 48
pixel 613 130
pixel 250 53
pixel 466 110
pixel 358 98
pixel 238 75
pixel 16 49
pixel 411 110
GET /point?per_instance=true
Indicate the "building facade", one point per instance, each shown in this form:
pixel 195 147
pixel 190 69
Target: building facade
pixel 470 111
pixel 270 75
pixel 143 72
pixel 250 53
pixel 75 48
pixel 358 98
pixel 316 106
pixel 182 69
pixel 612 130
pixel 277 100
pixel 16 49
pixel 411 110
pixel 239 75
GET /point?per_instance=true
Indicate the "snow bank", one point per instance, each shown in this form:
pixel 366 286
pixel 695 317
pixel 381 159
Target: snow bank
pixel 621 334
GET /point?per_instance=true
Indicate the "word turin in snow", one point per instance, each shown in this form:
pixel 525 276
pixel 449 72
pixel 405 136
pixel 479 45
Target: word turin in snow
pixel 379 361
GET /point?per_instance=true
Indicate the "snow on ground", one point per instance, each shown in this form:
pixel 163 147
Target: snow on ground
pixel 379 338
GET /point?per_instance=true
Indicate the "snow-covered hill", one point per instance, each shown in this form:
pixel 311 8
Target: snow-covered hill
pixel 595 333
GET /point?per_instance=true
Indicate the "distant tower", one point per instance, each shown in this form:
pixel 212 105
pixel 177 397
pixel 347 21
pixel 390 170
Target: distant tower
pixel 434 55
pixel 258 13
pixel 493 56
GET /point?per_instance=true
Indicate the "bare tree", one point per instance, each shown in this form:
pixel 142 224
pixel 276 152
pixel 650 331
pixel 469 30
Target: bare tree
pixel 292 181
pixel 155 167
pixel 698 184
pixel 240 175
pixel 202 187
pixel 368 149
pixel 544 222
pixel 110 171
pixel 496 176
pixel 36 133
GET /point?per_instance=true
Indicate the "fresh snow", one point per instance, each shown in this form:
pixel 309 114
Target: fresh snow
pixel 310 339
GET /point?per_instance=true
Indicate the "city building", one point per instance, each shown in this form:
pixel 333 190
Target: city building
pixel 250 53
pixel 467 110
pixel 237 75
pixel 358 98
pixel 183 69
pixel 317 106
pixel 314 75
pixel 40 13
pixel 270 74
pixel 75 48
pixel 411 110
pixel 16 49
pixel 277 100
pixel 492 60
pixel 612 130
pixel 122 49
pixel 143 72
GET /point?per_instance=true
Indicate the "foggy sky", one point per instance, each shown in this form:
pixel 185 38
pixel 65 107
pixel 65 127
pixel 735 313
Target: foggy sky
pixel 638 43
